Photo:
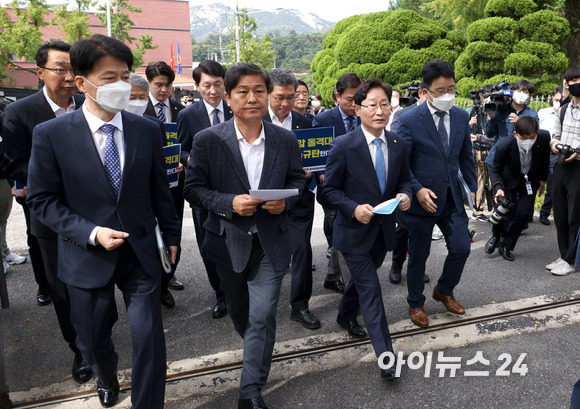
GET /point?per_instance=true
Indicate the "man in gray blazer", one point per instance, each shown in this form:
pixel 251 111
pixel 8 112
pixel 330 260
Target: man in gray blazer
pixel 247 239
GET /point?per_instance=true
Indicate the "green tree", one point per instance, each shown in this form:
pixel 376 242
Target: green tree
pixel 75 24
pixel 456 13
pixel 252 49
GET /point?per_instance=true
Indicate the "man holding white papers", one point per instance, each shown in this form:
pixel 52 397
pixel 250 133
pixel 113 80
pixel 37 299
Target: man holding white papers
pixel 365 168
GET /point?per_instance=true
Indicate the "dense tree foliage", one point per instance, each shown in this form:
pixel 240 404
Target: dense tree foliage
pixel 296 51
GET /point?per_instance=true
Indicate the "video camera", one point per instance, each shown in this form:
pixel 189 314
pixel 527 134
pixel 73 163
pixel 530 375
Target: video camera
pixel 500 97
pixel 411 95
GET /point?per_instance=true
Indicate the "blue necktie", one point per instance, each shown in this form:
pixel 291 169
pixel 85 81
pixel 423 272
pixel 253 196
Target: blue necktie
pixel 380 164
pixel 216 117
pixel 442 131
pixel 160 113
pixel 351 122
pixel 112 161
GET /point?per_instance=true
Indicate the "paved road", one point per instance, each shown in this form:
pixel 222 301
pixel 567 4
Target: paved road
pixel 38 362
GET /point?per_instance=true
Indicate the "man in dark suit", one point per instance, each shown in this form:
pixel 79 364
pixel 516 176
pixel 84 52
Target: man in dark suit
pixel 343 118
pixel 97 177
pixel 247 238
pixel 56 98
pixel 211 110
pixel 281 98
pixel 365 168
pixel 439 147
pixel 520 169
pixel 166 109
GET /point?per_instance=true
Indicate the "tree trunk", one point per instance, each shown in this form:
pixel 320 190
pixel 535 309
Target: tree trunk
pixel 572 45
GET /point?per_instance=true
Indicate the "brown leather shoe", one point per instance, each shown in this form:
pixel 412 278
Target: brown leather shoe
pixel 419 316
pixel 450 302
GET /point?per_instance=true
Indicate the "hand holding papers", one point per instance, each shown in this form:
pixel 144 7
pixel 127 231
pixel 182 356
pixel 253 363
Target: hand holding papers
pixel 272 194
pixel 387 207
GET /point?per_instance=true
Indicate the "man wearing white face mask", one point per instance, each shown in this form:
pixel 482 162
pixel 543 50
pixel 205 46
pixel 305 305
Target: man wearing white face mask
pixel 97 178
pixel 395 106
pixel 520 169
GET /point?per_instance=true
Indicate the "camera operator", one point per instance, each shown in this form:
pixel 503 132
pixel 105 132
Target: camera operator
pixel 519 170
pixel 502 123
pixel 566 177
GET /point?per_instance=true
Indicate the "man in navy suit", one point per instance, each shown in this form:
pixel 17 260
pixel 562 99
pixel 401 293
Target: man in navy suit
pixel 211 110
pixel 97 178
pixel 343 118
pixel 161 77
pixel 439 147
pixel 281 98
pixel 365 168
pixel 247 239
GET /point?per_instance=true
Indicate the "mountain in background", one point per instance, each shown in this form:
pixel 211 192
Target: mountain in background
pixel 213 18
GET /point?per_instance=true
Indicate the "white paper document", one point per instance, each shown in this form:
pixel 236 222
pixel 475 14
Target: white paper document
pixel 387 207
pixel 272 194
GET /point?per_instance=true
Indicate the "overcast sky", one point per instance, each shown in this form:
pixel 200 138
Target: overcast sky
pixel 325 9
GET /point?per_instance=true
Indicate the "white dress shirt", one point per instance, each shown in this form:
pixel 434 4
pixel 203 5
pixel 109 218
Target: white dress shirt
pixel 58 111
pixel 210 110
pixel 373 148
pixel 166 108
pixel 436 119
pixel 252 155
pixel 286 124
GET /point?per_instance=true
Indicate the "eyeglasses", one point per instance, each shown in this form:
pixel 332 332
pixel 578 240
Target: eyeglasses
pixel 61 72
pixel 289 99
pixel 437 92
pixel 372 108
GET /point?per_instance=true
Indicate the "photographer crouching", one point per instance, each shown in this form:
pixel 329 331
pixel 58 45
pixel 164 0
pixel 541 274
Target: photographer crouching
pixel 519 170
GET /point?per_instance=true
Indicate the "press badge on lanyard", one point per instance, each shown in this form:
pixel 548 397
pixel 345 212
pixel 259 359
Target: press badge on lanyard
pixel 528 185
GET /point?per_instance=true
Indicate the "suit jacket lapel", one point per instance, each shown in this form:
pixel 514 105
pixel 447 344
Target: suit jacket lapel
pixel 394 162
pixel 227 111
pixel 339 123
pixel 131 140
pixel 270 153
pixel 203 116
pixel 231 141
pixel 44 111
pixel 364 156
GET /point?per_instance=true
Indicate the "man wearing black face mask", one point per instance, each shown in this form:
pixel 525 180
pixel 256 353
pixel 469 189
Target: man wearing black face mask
pixel 565 185
pixel 520 169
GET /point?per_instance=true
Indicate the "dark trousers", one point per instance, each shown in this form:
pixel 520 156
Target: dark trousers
pixel 512 225
pixel 337 268
pixel 453 223
pixel 566 199
pixel 364 291
pixel 177 193
pixel 402 244
pixel 94 312
pixel 547 206
pixel 199 218
pixel 300 232
pixel 34 252
pixel 58 291
pixel 252 300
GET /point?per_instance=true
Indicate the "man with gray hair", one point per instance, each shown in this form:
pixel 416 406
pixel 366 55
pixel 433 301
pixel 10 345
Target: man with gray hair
pixel 281 99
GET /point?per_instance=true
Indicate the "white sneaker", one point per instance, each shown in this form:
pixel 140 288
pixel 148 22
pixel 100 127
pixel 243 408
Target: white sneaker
pixel 15 259
pixel 437 234
pixel 564 269
pixel 554 264
pixel 6 266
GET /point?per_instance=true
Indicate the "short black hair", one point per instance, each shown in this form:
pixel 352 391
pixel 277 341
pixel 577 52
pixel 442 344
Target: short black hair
pixel 208 67
pixel 557 90
pixel 85 53
pixel 42 53
pixel 363 90
pixel 524 85
pixel 434 69
pixel 300 82
pixel 348 80
pixel 398 91
pixel 159 68
pixel 237 71
pixel 526 125
pixel 572 73
pixel 282 77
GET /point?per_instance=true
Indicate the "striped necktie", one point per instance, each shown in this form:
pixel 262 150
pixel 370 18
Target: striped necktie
pixel 160 113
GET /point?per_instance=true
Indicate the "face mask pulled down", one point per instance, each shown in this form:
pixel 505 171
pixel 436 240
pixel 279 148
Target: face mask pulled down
pixel 112 97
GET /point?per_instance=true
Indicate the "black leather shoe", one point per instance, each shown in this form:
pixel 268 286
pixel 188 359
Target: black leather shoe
pixel 544 220
pixel 81 371
pixel 426 278
pixel 43 297
pixel 395 273
pixel 505 253
pixel 353 327
pixel 491 245
pixel 220 309
pixel 336 286
pixel 313 267
pixel 252 403
pixel 305 318
pixel 389 374
pixel 108 395
pixel 175 285
pixel 167 299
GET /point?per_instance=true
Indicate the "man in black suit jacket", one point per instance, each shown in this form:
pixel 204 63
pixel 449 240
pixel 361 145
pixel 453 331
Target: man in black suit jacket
pixel 57 98
pixel 343 118
pixel 211 110
pixel 281 98
pixel 247 238
pixel 520 169
pixel 97 177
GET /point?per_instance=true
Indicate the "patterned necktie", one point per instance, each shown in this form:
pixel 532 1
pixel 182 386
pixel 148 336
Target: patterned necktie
pixel 216 117
pixel 112 161
pixel 160 113
pixel 351 122
pixel 380 164
pixel 442 131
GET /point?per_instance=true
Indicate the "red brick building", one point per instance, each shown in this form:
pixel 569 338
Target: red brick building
pixel 167 21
